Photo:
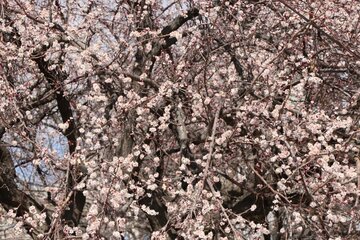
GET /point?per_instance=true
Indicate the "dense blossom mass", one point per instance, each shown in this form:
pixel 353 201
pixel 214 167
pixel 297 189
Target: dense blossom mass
pixel 180 119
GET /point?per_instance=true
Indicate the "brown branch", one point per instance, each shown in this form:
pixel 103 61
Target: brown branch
pixel 268 185
pixel 171 27
pixel 56 78
pixel 147 81
pixel 212 143
pixel 234 59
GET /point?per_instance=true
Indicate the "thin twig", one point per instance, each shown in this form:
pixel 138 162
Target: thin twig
pixel 301 173
pixel 271 188
pixel 208 162
pixel 332 38
pixel 223 210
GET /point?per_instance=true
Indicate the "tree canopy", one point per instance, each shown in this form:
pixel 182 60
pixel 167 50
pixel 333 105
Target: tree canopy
pixel 184 119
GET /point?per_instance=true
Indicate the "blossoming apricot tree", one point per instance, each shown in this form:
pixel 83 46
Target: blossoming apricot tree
pixel 206 119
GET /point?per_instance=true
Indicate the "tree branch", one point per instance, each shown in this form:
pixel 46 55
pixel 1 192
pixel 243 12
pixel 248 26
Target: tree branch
pixel 332 38
pixel 171 27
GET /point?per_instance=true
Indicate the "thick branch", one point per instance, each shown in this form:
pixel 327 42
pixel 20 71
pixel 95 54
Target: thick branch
pixel 234 60
pixel 57 77
pixel 10 195
pixel 171 27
